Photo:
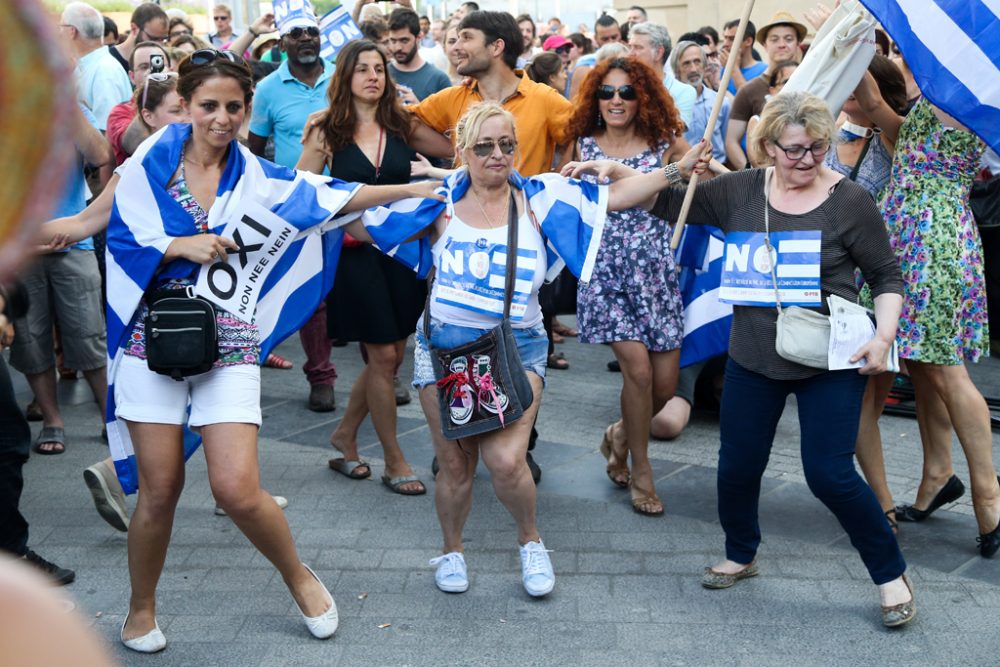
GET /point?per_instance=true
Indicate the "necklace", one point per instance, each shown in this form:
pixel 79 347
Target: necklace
pixel 486 215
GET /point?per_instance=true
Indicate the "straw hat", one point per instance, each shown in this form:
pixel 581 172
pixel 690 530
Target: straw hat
pixel 782 18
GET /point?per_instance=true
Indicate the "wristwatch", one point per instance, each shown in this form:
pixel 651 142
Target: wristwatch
pixel 673 174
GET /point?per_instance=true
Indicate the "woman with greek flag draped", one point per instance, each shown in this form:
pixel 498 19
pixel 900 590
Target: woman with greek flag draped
pixel 175 197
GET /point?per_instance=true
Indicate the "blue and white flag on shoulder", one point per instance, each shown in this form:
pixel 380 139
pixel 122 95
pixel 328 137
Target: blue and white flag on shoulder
pixel 707 320
pixel 570 214
pixel 953 49
pixel 145 219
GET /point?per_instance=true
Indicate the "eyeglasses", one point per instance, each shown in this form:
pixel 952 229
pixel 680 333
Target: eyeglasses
pixel 221 18
pixel 154 38
pixel 159 77
pixel 486 148
pixel 296 33
pixel 626 92
pixel 178 33
pixel 796 153
pixel 203 57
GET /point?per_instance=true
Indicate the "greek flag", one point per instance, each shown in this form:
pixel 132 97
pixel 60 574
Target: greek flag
pixel 707 320
pixel 953 50
pixel 145 219
pixel 570 214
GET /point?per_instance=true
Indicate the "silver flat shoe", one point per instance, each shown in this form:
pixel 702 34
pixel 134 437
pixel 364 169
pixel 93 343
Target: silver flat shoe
pixel 903 613
pixel 714 579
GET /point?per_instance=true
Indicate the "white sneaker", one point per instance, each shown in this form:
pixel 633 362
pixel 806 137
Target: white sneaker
pixel 451 575
pixel 536 569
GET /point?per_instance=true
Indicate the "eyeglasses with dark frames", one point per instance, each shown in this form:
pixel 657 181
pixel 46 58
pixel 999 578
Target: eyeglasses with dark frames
pixel 626 92
pixel 796 153
pixel 486 148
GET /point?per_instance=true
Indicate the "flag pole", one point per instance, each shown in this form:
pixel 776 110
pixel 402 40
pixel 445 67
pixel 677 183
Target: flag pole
pixel 732 62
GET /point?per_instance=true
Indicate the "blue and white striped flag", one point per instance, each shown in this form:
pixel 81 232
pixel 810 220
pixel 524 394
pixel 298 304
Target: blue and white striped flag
pixel 570 213
pixel 707 320
pixel 145 219
pixel 953 50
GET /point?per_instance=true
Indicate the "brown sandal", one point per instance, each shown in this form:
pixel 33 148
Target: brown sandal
pixel 644 497
pixel 619 468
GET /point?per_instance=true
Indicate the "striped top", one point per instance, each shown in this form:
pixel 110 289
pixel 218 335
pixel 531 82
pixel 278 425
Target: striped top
pixel 854 235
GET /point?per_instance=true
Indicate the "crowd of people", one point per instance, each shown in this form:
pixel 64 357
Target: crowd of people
pixel 423 158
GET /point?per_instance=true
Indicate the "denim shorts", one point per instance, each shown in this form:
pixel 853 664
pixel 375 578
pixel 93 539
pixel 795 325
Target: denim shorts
pixel 532 345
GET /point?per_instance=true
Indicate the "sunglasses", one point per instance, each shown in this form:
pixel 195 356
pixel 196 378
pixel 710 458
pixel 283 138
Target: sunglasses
pixel 486 148
pixel 221 18
pixel 296 33
pixel 202 57
pixel 178 33
pixel 626 92
pixel 563 50
pixel 159 77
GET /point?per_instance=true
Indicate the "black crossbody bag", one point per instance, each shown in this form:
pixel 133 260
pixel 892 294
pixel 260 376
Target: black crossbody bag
pixel 182 336
pixel 482 385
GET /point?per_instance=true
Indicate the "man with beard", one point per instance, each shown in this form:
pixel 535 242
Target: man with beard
pixel 281 105
pixel 489 44
pixel 689 61
pixel 407 66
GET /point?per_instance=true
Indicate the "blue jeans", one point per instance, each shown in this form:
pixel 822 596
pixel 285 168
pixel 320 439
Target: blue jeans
pixel 829 408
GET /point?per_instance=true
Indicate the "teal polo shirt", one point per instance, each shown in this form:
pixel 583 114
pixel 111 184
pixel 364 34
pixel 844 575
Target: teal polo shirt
pixel 281 106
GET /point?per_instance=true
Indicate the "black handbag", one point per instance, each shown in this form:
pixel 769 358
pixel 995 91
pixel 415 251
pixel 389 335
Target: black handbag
pixel 482 385
pixel 182 336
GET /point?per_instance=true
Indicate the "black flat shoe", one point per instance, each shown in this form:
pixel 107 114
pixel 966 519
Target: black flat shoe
pixel 989 543
pixel 949 493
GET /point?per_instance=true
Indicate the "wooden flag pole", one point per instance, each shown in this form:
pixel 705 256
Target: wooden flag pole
pixel 732 62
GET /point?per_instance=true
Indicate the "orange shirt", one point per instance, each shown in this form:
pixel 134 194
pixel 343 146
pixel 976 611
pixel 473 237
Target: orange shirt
pixel 541 113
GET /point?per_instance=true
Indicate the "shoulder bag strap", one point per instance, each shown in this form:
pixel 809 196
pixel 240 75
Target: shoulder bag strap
pixel 771 254
pixel 511 268
pixel 861 156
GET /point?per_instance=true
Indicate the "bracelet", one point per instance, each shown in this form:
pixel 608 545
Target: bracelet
pixel 255 34
pixel 673 174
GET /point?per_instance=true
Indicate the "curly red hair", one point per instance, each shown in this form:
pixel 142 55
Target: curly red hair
pixel 657 119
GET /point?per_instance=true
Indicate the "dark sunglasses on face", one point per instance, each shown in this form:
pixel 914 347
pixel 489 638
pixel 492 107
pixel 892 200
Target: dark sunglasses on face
pixel 296 33
pixel 205 56
pixel 486 148
pixel 221 18
pixel 563 50
pixel 626 92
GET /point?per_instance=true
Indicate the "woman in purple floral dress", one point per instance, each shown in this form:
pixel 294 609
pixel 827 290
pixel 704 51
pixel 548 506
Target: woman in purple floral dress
pixel 633 301
pixel 943 323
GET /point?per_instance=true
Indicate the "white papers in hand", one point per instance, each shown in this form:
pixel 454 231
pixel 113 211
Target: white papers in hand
pixel 851 327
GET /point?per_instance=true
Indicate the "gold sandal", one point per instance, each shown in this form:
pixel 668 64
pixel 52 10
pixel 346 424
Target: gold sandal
pixel 619 468
pixel 644 497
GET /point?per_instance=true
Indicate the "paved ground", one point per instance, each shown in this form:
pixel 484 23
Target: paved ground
pixel 627 590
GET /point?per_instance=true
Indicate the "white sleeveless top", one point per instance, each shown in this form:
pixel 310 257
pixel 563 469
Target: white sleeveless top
pixel 470 270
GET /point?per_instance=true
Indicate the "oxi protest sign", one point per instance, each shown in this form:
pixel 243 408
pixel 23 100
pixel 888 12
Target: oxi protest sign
pixel 235 284
pixel 746 270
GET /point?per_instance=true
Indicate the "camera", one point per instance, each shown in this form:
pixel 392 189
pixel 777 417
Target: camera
pixel 156 63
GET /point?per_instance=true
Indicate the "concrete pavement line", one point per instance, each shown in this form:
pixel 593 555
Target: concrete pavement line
pixel 398 435
pixel 966 565
pixel 285 437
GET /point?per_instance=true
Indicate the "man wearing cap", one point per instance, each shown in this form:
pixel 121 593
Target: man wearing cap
pixel 781 39
pixel 565 50
pixel 407 65
pixel 281 105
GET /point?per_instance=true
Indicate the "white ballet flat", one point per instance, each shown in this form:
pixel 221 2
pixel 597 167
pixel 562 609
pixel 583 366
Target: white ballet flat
pixel 324 625
pixel 151 642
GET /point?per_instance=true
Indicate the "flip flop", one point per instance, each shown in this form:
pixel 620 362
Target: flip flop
pixel 50 434
pixel 350 468
pixel 277 361
pixel 395 484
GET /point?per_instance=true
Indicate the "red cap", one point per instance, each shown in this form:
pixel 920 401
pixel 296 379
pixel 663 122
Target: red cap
pixel 554 42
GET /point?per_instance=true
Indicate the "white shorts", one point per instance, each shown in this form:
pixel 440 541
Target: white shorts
pixel 230 394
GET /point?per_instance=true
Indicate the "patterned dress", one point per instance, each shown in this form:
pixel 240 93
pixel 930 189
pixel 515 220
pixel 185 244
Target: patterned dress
pixel 633 294
pixel 935 238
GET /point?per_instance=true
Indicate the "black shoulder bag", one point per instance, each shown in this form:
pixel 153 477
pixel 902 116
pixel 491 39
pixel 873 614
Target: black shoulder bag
pixel 182 336
pixel 482 385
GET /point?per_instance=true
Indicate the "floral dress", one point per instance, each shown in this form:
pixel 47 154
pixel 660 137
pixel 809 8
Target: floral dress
pixel 633 294
pixel 934 236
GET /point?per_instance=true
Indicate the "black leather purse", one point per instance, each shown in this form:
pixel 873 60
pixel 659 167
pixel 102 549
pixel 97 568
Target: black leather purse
pixel 482 385
pixel 182 336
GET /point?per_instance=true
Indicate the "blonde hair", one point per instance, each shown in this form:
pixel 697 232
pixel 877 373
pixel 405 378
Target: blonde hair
pixel 471 123
pixel 795 108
